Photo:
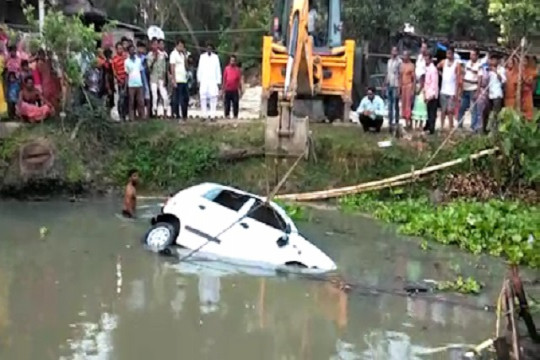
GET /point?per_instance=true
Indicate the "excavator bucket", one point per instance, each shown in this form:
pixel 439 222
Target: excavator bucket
pixel 286 134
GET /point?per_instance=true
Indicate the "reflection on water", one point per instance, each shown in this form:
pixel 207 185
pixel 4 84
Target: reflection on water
pixel 92 341
pixel 89 291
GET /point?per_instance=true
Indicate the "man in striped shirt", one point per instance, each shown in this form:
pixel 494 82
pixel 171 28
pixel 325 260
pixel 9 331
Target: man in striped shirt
pixel 120 75
pixel 470 89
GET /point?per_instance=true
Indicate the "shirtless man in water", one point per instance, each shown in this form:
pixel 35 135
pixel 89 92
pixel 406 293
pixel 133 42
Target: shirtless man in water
pixel 130 196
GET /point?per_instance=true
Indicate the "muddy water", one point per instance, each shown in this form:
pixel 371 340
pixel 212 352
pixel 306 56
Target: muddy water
pixel 88 290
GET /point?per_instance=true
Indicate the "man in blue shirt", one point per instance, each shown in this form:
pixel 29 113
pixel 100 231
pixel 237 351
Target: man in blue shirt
pixel 134 70
pixel 371 111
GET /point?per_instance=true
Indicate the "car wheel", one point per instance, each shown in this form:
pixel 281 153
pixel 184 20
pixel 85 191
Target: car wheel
pixel 160 237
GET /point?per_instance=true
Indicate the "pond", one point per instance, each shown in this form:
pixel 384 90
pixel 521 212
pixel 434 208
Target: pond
pixel 88 290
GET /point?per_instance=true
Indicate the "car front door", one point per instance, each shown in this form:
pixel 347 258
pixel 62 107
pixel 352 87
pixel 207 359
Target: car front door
pixel 258 234
pixel 214 215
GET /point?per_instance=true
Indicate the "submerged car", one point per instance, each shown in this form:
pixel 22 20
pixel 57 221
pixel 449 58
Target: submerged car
pixel 232 224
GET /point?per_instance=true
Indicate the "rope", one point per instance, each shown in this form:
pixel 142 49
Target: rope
pixel 359 288
pixel 203 49
pixel 232 31
pixel 268 199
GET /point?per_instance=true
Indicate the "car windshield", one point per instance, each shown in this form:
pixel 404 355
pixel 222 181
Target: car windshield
pixel 267 215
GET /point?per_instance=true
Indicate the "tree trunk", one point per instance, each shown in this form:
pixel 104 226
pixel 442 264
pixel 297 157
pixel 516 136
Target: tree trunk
pixel 235 12
pixel 188 26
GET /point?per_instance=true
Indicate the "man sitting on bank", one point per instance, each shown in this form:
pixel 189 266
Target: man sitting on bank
pixel 370 111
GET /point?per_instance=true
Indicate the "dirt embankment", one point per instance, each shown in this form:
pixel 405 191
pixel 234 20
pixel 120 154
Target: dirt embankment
pixel 42 161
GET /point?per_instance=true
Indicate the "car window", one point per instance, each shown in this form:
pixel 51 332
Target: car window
pixel 267 215
pixel 227 198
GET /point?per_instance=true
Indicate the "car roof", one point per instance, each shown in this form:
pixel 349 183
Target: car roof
pixel 204 188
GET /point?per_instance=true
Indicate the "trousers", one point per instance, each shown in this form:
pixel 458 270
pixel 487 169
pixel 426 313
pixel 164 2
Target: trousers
pixel 205 100
pixel 122 104
pixel 369 123
pixel 467 100
pixel 181 100
pixel 431 115
pixel 232 97
pixel 393 106
pixel 159 89
pixel 136 98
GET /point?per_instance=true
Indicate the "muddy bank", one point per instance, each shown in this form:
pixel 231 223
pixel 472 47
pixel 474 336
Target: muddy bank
pixel 48 161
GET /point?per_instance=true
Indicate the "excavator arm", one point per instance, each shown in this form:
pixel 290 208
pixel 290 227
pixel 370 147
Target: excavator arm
pixel 301 81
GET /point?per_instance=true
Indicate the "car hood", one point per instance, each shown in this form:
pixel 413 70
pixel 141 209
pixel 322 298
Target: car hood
pixel 312 256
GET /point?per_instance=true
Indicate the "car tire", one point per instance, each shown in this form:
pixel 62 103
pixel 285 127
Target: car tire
pixel 160 237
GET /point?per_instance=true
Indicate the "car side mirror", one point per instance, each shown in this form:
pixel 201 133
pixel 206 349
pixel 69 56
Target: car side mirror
pixel 283 241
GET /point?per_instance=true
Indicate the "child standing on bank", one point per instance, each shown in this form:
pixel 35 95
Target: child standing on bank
pixel 419 114
pixel 13 90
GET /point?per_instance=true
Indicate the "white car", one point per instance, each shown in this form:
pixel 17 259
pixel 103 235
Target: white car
pixel 231 224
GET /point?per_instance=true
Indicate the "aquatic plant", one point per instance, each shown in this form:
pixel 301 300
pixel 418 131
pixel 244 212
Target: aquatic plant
pixel 461 285
pixel 500 228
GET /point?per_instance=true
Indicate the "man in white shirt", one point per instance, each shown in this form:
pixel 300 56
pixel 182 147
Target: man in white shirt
pixel 178 63
pixel 497 79
pixel 371 111
pixel 420 65
pixel 470 91
pixel 209 78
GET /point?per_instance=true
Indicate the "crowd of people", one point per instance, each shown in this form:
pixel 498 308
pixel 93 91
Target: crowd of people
pixel 141 81
pixel 30 88
pixel 414 91
pixel 133 81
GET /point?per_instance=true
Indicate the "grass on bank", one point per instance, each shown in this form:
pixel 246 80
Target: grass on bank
pixel 171 157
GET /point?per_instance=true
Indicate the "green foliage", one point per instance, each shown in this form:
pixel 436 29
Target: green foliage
pixel 519 141
pixel 67 37
pixel 464 19
pixel 461 285
pixel 248 45
pixel 10 145
pixel 517 18
pixel 500 228
pixel 164 159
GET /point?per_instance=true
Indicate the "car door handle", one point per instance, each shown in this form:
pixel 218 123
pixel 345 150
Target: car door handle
pixel 202 207
pixel 244 225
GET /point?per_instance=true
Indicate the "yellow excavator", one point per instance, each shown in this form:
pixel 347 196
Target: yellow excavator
pixel 307 72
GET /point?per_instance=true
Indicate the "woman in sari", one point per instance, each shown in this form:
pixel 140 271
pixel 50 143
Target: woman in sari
pixel 511 85
pixel 529 79
pixel 32 107
pixel 50 82
pixel 408 78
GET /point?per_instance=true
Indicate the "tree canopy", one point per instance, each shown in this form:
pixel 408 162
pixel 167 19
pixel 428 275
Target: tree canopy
pixel 374 20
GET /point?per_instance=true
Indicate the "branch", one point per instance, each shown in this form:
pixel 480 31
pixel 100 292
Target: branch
pixel 82 119
pixel 187 24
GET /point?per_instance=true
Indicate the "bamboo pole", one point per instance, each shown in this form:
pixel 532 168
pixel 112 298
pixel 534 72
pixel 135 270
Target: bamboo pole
pixel 379 184
pixel 515 335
